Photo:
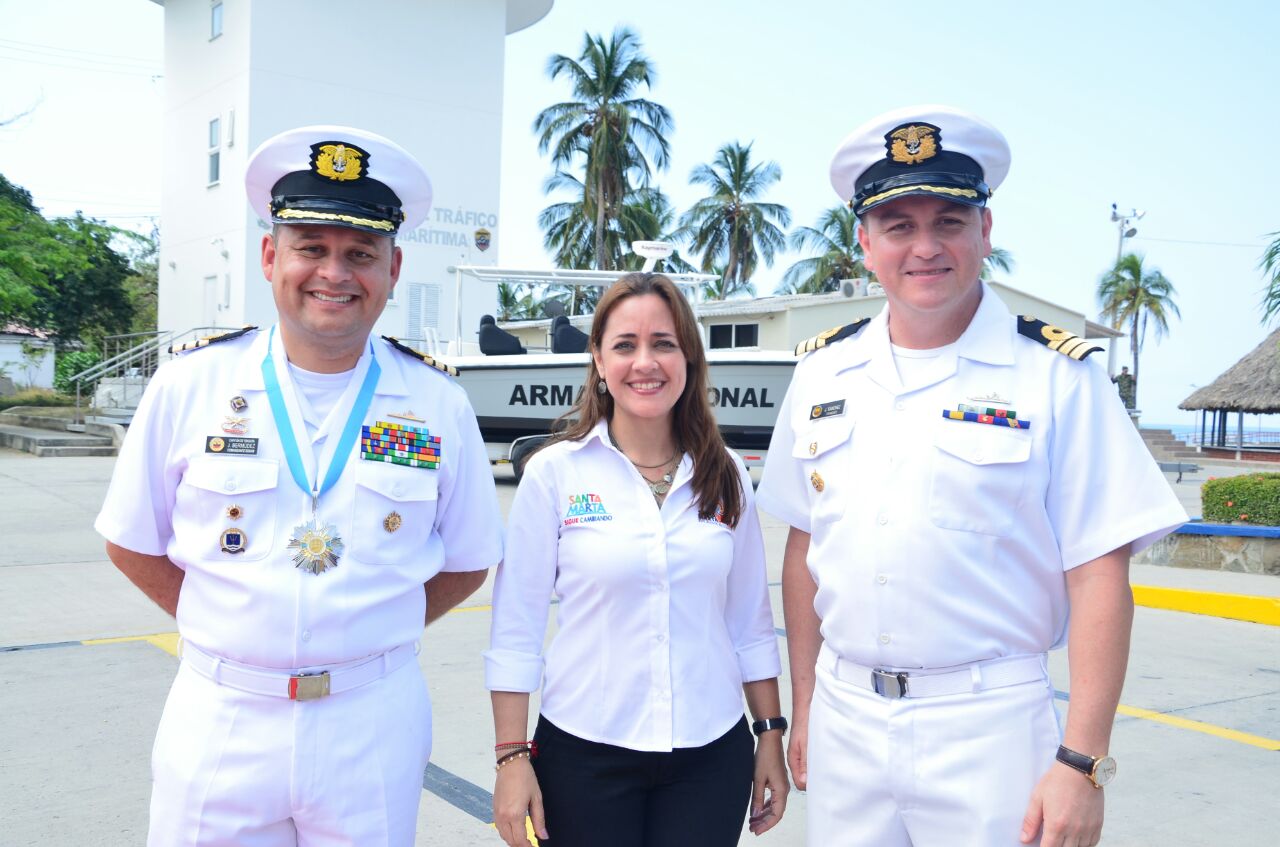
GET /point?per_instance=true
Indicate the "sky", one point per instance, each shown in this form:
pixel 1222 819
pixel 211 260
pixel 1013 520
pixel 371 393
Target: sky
pixel 1163 106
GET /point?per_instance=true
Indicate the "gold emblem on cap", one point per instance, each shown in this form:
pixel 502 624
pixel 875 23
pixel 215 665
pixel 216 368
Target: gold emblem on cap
pixel 392 522
pixel 234 512
pixel 339 162
pixel 813 447
pixel 816 479
pixel 913 143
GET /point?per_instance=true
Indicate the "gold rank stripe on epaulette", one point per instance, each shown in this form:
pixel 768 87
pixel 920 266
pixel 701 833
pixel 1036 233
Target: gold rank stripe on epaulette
pixel 830 336
pixel 211 339
pixel 422 357
pixel 1055 338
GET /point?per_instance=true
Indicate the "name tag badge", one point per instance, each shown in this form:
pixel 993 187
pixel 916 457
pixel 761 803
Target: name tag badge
pixel 231 446
pixel 827 410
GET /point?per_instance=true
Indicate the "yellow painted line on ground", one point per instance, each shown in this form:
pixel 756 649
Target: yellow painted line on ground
pixel 1239 607
pixel 485 608
pixel 528 831
pixel 1200 726
pixel 166 641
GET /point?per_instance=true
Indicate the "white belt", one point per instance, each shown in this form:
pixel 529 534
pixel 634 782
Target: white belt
pixel 302 684
pixel 980 676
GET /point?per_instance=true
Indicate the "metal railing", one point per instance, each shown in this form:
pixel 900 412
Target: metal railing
pixel 133 359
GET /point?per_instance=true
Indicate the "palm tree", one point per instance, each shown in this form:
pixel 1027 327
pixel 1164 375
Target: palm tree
pixel 730 225
pixel 606 127
pixel 1130 293
pixel 839 255
pixel 999 260
pixel 1270 265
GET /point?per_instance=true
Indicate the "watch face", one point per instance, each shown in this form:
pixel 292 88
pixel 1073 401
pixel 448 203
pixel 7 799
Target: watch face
pixel 1104 771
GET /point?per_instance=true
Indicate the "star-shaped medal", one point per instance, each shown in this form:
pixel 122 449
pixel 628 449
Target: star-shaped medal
pixel 318 547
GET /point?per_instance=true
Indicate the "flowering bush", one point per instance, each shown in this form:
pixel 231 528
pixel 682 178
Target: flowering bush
pixel 1249 498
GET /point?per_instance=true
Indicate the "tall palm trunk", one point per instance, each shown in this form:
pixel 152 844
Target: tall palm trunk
pixel 1134 347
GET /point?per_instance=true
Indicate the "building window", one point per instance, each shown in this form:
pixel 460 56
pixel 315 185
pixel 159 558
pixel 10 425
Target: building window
pixel 215 20
pixel 215 157
pixel 728 336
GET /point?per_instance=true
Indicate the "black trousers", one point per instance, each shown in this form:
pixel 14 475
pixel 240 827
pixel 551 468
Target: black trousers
pixel 598 795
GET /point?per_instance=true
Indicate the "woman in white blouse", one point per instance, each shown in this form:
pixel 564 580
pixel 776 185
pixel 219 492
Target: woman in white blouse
pixel 643 525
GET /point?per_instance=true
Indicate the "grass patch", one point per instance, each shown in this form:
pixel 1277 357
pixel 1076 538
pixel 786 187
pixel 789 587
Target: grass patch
pixel 38 397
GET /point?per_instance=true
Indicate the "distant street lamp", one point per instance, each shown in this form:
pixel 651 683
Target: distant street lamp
pixel 1125 228
pixel 1123 225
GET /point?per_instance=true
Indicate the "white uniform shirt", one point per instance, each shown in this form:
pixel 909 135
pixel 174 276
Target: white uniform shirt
pixel 662 617
pixel 937 542
pixel 170 496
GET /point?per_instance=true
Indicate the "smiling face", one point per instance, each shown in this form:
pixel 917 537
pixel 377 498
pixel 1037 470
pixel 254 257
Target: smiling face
pixel 640 359
pixel 330 285
pixel 927 253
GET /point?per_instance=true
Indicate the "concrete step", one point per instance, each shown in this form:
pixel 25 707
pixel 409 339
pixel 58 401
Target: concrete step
pixel 53 452
pixel 44 442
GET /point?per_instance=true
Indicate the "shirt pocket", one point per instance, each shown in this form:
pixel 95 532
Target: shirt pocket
pixel 393 513
pixel 979 473
pixel 225 503
pixel 824 451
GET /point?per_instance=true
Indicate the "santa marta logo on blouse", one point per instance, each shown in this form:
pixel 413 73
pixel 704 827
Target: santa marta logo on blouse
pixel 585 508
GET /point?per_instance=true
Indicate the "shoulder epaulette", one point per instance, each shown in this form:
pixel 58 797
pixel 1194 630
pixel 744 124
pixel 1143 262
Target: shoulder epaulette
pixel 211 339
pixel 830 336
pixel 1055 338
pixel 422 357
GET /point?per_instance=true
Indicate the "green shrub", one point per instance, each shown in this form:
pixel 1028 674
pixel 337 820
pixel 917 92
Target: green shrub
pixel 1252 498
pixel 37 397
pixel 71 363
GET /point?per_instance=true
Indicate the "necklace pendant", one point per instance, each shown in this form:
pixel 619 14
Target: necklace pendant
pixel 317 547
pixel 661 487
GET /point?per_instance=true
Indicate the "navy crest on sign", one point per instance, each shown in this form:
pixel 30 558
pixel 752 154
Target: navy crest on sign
pixel 483 237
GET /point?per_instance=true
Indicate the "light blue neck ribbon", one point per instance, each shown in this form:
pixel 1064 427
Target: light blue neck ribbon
pixel 349 430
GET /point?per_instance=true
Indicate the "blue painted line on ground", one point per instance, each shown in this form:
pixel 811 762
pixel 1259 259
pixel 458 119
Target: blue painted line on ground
pixel 1241 530
pixel 49 645
pixel 459 793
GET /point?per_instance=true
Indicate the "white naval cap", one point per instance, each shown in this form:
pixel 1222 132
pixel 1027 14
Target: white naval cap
pixel 337 176
pixel 933 150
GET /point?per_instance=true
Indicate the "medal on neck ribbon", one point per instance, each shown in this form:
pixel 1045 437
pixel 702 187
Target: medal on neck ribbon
pixel 316 546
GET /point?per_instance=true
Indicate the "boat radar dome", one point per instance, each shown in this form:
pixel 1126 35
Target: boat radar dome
pixel 652 251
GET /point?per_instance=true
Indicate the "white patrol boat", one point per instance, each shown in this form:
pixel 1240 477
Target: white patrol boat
pixel 518 393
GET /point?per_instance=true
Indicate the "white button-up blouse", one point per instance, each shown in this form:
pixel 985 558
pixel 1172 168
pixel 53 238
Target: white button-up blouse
pixel 662 616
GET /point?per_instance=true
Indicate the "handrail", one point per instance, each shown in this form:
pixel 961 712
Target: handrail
pixel 143 357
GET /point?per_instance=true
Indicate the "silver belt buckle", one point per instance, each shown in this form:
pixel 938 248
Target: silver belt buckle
pixel 891 685
pixel 310 686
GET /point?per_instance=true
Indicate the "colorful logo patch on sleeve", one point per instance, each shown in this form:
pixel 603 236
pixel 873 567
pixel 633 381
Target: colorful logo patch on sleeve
pixel 987 416
pixel 585 508
pixel 412 446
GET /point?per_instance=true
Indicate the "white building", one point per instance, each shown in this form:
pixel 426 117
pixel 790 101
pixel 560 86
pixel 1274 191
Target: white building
pixel 426 73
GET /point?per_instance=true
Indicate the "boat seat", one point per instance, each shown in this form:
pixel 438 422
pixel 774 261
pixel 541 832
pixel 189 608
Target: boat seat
pixel 495 341
pixel 567 338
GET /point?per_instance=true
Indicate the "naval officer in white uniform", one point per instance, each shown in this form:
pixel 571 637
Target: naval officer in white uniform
pixel 959 483
pixel 303 498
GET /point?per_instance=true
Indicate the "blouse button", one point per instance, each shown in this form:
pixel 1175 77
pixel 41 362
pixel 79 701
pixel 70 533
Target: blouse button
pixel 882 579
pixel 230 485
pixel 661 638
pixel 884 638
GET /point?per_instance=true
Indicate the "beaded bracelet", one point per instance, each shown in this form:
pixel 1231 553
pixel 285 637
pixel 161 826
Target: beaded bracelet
pixel 511 757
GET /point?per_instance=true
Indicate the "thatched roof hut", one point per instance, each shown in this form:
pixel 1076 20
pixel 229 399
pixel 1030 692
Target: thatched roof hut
pixel 1251 385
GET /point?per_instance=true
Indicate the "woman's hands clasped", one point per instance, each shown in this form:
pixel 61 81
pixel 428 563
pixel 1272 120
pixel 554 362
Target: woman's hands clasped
pixel 515 796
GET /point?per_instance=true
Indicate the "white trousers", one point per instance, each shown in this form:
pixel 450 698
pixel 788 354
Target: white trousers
pixel 233 768
pixel 949 771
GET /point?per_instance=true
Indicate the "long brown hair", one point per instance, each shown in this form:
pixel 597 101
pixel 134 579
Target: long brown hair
pixel 716 483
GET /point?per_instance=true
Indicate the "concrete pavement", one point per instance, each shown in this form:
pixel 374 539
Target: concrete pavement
pixel 1196 736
